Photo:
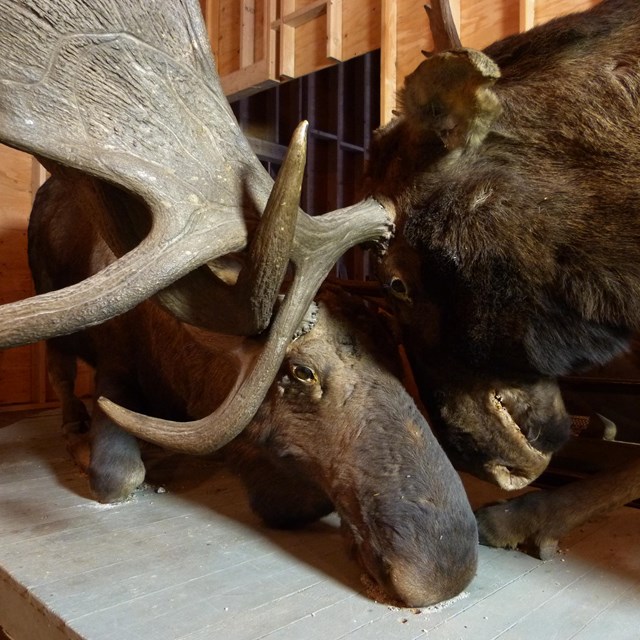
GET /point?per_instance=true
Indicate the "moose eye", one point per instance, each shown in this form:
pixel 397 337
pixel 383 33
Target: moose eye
pixel 398 288
pixel 303 373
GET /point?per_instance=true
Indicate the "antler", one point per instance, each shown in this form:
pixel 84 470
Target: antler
pixel 443 28
pixel 127 92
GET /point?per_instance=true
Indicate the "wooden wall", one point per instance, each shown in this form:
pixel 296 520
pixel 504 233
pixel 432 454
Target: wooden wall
pixel 260 43
pixel 23 379
pixel 16 368
pixel 405 32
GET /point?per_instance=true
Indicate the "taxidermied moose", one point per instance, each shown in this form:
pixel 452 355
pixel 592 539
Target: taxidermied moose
pixel 126 92
pixel 515 173
pixel 337 430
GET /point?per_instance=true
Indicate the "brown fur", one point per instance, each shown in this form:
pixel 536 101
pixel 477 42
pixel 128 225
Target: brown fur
pixel 519 243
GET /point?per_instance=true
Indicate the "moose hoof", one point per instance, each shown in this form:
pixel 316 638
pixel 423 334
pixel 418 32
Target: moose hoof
pixel 547 548
pixel 117 482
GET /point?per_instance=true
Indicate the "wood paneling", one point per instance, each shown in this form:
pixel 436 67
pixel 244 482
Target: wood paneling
pixel 15 281
pixel 547 9
pixel 291 38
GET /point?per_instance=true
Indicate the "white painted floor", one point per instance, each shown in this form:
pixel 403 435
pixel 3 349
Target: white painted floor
pixel 193 563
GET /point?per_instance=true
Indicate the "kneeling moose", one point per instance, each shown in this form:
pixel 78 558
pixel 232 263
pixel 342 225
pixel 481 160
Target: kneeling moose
pixel 337 431
pixel 127 92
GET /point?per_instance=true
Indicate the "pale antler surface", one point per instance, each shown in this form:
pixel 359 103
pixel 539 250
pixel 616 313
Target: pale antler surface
pixel 127 92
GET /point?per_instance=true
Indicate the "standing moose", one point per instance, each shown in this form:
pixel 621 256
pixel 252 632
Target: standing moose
pixel 515 173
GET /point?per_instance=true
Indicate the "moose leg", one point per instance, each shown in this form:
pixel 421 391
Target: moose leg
pixel 62 370
pixel 116 468
pixel 540 518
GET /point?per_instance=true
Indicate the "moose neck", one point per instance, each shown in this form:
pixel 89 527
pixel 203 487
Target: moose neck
pixel 189 371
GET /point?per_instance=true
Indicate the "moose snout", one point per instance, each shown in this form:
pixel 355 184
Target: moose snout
pixel 424 558
pixel 409 522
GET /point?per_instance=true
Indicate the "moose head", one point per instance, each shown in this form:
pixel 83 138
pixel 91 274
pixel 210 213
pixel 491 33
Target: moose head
pixel 514 173
pixel 337 431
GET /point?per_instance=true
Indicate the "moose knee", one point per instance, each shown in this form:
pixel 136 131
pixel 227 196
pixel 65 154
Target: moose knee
pixel 514 522
pixel 282 498
pixel 285 509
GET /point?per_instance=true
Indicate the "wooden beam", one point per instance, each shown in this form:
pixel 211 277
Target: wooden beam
pixel 334 30
pixel 211 15
pixel 245 82
pixel 455 13
pixel 527 14
pixel 287 40
pixel 388 59
pixel 247 33
pixel 297 17
pixel 270 39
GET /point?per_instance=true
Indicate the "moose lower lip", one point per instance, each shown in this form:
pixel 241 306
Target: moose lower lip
pixel 531 461
pixel 506 478
pixel 507 421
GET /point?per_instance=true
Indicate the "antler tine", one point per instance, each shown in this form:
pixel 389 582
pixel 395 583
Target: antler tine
pixel 199 297
pixel 320 241
pixel 272 244
pixel 443 28
pixel 74 105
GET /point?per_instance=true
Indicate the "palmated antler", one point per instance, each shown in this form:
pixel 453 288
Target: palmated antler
pixel 320 242
pixel 127 92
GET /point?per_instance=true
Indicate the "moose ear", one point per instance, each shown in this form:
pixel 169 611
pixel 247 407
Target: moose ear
pixel 450 94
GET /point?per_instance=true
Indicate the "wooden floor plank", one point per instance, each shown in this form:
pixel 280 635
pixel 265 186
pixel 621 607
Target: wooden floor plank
pixel 194 563
pixel 619 620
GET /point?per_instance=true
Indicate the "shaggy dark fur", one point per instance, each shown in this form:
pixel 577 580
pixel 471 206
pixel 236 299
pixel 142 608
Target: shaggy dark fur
pixel 527 237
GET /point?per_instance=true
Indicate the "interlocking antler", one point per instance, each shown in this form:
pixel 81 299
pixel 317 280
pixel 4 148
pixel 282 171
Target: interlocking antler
pixel 127 92
pixel 442 26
